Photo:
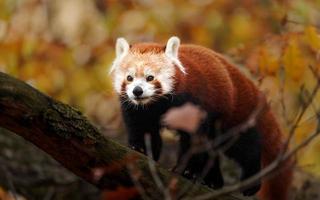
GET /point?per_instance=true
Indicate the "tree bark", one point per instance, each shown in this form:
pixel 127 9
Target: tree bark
pixel 67 136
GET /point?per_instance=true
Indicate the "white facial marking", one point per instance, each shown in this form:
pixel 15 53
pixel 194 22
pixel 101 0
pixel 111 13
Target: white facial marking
pixel 147 88
pixel 165 77
pixel 117 82
pixel 140 63
pixel 148 71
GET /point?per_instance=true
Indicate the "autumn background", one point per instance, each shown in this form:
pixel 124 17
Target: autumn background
pixel 64 49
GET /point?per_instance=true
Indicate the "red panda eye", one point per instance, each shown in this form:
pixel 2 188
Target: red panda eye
pixel 129 78
pixel 150 78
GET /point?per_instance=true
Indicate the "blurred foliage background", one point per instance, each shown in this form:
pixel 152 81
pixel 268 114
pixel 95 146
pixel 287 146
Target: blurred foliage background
pixel 64 49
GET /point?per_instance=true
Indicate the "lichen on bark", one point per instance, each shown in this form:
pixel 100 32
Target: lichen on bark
pixel 67 121
pixel 68 137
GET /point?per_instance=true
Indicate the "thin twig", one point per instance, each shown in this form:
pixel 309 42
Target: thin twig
pixel 241 128
pixel 271 168
pixel 10 183
pixel 221 143
pixel 282 102
pixel 209 164
pixel 135 179
pixel 304 109
pixel 50 193
pixel 153 169
pixel 301 23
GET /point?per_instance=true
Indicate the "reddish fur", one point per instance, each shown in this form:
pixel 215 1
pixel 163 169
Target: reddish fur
pixel 158 87
pixel 221 87
pixel 123 87
pixel 147 47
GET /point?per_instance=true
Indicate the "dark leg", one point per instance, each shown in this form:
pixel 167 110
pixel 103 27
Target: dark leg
pixel 184 145
pixel 196 162
pixel 156 145
pixel 139 122
pixel 214 178
pixel 186 168
pixel 247 153
pixel 136 141
pixel 210 129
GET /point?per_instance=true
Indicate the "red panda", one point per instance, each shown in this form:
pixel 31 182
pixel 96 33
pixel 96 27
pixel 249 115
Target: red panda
pixel 151 78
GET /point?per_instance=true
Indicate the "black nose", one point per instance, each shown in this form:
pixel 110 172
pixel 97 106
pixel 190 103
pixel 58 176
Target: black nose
pixel 137 91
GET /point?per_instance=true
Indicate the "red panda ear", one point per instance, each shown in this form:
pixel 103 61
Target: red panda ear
pixel 122 49
pixel 172 49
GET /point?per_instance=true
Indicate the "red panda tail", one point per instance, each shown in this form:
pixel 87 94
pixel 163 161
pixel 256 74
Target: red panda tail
pixel 277 186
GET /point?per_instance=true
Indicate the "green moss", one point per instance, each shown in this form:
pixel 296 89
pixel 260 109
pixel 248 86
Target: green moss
pixel 67 122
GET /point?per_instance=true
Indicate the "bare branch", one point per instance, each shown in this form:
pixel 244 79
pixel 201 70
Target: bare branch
pixel 135 174
pixel 153 170
pixel 304 108
pixel 68 137
pixel 10 183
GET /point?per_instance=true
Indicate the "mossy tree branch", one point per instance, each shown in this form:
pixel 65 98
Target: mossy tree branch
pixel 67 136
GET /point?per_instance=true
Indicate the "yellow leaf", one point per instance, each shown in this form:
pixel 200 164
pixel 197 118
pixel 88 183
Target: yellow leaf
pixel 268 63
pixel 312 38
pixel 308 157
pixel 306 128
pixel 293 61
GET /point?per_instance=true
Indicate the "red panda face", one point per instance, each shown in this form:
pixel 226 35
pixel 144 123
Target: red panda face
pixel 145 77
